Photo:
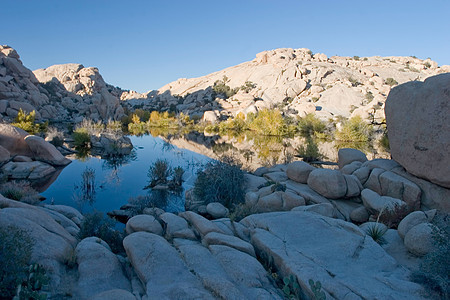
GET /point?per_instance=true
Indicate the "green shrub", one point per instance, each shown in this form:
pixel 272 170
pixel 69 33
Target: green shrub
pixel 384 142
pixel 15 254
pixel 27 122
pixel 354 82
pixel 81 138
pixel 220 182
pixel 369 97
pixel 391 81
pixel 316 288
pixel 96 224
pixel 356 57
pixel 159 172
pixel 310 125
pixel 220 87
pixel 427 64
pixel 434 271
pixel 354 130
pixel 31 287
pixel 248 86
pixel 376 232
pixel 269 122
pixel 20 191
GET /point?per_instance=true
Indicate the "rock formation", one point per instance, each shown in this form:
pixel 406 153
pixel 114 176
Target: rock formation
pixel 417 117
pixel 67 92
pixel 298 81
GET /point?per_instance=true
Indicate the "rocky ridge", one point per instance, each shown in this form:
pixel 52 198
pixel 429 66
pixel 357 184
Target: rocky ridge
pixel 298 81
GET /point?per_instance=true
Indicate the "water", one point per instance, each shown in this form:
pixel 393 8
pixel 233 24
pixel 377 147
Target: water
pixel 114 182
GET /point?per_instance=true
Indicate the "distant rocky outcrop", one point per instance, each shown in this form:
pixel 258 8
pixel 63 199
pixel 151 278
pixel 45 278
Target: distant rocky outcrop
pixel 418 122
pixel 81 90
pixel 298 81
pixel 68 92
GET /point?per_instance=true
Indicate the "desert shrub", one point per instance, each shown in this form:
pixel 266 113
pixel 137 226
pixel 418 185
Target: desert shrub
pixel 31 287
pixel 91 127
pixel 27 122
pixel 310 125
pixel 354 129
pixel 427 64
pixel 269 122
pixel 248 86
pixel 241 211
pixel 354 82
pixel 392 217
pixel 178 173
pixel 98 225
pixel 391 81
pixel 159 172
pixel 376 232
pixel 54 136
pixel 356 57
pixel 220 87
pixel 15 253
pixel 114 127
pixel 81 138
pixel 220 182
pixel 384 142
pixel 310 152
pixel 20 191
pixel 434 271
pixel 369 96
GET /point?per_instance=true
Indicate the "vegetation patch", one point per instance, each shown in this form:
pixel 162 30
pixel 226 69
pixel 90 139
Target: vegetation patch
pixel 27 122
pixel 98 225
pixel 220 181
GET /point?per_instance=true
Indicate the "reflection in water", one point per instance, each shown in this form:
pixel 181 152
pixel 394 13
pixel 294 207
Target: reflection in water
pixel 85 192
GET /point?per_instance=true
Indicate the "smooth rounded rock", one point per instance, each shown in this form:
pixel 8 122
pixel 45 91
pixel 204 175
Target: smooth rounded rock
pixel 411 220
pixel 299 171
pixel 419 240
pixel 349 155
pixel 217 210
pixel 143 223
pixel 329 183
pixel 359 215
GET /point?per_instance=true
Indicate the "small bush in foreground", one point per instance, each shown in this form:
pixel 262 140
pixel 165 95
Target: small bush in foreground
pixel 96 224
pixel 220 182
pixel 20 191
pixel 15 253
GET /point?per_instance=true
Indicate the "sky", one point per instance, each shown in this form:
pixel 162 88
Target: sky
pixel 143 45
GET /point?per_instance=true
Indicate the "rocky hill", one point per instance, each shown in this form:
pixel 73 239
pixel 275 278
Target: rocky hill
pixel 297 81
pixel 294 80
pixel 66 92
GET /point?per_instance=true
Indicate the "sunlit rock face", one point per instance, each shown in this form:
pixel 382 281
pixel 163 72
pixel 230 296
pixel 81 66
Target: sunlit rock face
pixel 299 81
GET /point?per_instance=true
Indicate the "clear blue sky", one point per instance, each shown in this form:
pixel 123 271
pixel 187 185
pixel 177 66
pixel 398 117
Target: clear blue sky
pixel 142 45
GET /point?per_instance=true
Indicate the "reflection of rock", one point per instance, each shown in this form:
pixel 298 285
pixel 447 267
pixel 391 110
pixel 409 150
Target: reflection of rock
pixel 107 144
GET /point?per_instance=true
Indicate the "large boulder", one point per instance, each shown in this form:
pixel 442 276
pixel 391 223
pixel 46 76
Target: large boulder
pixel 44 151
pixel 417 117
pixel 349 155
pixel 99 269
pixel 12 139
pixel 299 171
pixel 329 183
pixel 419 239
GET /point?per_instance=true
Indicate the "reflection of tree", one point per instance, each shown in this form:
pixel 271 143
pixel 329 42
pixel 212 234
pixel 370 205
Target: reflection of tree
pixel 85 192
